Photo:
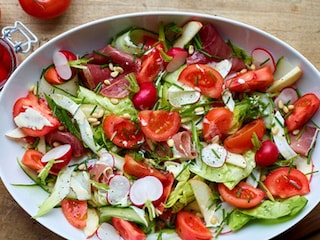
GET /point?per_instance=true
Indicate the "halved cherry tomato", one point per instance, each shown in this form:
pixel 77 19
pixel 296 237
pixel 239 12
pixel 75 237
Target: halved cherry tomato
pixel 286 182
pixel 203 77
pixel 152 65
pixel 32 159
pixel 190 227
pixel 123 132
pixel 75 211
pixel 141 169
pixel 267 154
pixel 216 122
pixel 52 76
pixel 241 140
pixel 304 108
pixel 45 9
pixel 159 125
pixel 31 101
pixel 128 230
pixel 256 80
pixel 241 196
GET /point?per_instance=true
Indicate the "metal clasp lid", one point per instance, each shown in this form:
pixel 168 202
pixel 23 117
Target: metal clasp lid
pixel 23 35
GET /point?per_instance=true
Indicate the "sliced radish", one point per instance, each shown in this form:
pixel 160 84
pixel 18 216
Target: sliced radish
pixel 92 223
pixel 119 187
pixel 178 97
pixel 144 189
pixel 106 232
pixel 223 67
pixel 214 155
pixel 61 154
pixel 106 158
pixel 61 64
pixel 262 57
pixel 287 95
pixel 236 160
pixel 179 56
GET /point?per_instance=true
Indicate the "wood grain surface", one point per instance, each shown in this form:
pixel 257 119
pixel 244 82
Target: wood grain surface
pixel 297 22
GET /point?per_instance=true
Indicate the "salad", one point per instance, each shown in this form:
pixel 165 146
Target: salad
pixel 175 134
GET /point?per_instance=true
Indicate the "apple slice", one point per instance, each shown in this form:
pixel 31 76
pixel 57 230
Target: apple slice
pixel 92 223
pixel 179 56
pixel 189 31
pixel 106 231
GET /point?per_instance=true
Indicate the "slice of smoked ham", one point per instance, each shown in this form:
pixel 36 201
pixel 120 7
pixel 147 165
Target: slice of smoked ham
pixel 108 54
pixel 302 143
pixel 183 144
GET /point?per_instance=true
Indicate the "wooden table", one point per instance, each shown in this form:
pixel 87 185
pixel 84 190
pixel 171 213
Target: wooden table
pixel 296 22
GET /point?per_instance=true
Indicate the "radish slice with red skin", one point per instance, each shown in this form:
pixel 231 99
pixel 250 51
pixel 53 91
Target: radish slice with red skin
pixel 145 189
pixel 61 64
pixel 61 154
pixel 119 187
pixel 287 95
pixel 262 57
pixel 179 56
pixel 106 232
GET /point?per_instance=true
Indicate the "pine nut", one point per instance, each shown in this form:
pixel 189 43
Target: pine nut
pixel 280 104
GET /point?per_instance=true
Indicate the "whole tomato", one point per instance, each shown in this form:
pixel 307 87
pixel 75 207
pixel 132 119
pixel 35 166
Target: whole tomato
pixel 267 154
pixel 45 9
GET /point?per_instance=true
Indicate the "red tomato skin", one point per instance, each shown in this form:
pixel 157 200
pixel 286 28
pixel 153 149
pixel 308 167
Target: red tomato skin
pixel 242 196
pixel 152 65
pixel 216 122
pixel 279 185
pixel 141 169
pixel 203 77
pixel 41 106
pixel 304 108
pixel 32 159
pixel 240 141
pixel 256 80
pixel 159 125
pixel 75 211
pixel 190 227
pixel 45 9
pixel 52 76
pixel 123 132
pixel 128 230
pixel 267 154
pixel 146 97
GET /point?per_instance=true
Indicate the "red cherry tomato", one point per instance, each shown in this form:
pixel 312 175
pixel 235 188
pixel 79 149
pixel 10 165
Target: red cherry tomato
pixel 32 101
pixel 146 97
pixel 45 9
pixel 203 77
pixel 217 122
pixel 190 227
pixel 241 141
pixel 128 230
pixel 242 196
pixel 257 80
pixel 75 212
pixel 267 154
pixel 159 125
pixel 32 159
pixel 52 76
pixel 304 108
pixel 122 132
pixel 286 182
pixel 152 65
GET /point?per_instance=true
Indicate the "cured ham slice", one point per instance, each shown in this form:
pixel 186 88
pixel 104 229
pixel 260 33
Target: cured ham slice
pixel 108 54
pixel 302 143
pixel 93 75
pixel 183 145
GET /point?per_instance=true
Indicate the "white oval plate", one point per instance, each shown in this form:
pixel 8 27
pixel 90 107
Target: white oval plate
pixel 94 35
